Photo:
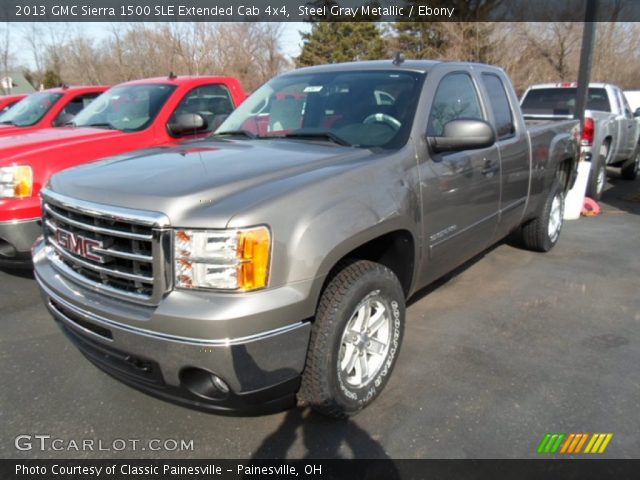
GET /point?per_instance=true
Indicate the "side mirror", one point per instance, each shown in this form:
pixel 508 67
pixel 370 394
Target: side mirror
pixel 463 134
pixel 636 114
pixel 62 119
pixel 187 123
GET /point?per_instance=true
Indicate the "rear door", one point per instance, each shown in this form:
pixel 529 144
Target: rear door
pixel 460 190
pixel 513 148
pixel 620 120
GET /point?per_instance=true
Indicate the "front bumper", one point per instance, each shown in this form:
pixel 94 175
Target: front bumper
pixel 16 239
pixel 261 370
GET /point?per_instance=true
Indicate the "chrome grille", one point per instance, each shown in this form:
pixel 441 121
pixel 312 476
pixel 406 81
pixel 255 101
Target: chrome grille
pixel 123 253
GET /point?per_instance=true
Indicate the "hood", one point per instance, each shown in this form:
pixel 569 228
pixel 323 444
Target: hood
pixel 200 174
pixel 18 142
pixel 13 130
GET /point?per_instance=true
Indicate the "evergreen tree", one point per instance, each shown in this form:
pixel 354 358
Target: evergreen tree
pixel 51 79
pixel 419 39
pixel 333 42
pixel 463 39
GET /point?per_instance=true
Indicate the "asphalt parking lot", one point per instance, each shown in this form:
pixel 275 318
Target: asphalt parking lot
pixel 513 346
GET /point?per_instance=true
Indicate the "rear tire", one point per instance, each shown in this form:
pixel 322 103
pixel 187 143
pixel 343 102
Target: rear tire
pixel 542 233
pixel 598 174
pixel 631 169
pixel 355 339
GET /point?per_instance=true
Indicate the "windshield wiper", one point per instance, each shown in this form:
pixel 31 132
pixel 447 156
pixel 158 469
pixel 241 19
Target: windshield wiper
pixel 319 134
pixel 244 133
pixel 7 122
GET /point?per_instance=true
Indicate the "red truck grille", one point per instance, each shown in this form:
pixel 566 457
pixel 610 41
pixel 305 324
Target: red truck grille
pixel 121 253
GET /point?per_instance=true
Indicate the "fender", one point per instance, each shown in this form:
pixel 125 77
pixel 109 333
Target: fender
pixel 343 230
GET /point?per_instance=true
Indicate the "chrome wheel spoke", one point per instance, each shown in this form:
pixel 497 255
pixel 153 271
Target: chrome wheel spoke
pixel 350 358
pixel 376 321
pixel 364 368
pixel 364 314
pixel 357 378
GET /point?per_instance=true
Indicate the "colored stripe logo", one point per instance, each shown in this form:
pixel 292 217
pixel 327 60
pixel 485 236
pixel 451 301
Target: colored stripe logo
pixel 573 443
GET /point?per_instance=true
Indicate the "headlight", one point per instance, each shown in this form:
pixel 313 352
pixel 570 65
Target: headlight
pixel 223 259
pixel 16 181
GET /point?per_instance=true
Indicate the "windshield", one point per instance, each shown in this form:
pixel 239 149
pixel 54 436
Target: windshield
pixel 562 101
pixel 128 108
pixel 358 108
pixel 30 110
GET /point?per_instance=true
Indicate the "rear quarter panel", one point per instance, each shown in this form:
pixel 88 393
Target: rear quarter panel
pixel 551 144
pixel 606 130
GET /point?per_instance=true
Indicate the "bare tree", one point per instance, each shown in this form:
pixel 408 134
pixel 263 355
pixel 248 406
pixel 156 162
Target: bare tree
pixel 45 41
pixel 556 43
pixel 6 57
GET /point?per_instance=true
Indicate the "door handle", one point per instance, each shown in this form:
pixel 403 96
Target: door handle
pixel 488 167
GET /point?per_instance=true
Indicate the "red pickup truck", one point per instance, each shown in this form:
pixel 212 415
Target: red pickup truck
pixel 49 108
pixel 129 116
pixel 8 101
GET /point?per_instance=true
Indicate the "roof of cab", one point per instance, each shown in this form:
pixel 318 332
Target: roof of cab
pixel 178 79
pixel 421 66
pixel 75 88
pixel 569 85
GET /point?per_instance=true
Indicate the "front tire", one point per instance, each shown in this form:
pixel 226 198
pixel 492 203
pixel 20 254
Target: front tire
pixel 355 339
pixel 542 233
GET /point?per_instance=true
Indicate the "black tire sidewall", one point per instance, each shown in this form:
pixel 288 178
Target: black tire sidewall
pixel 349 398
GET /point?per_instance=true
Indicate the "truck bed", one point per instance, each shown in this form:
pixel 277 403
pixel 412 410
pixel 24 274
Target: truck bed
pixel 555 125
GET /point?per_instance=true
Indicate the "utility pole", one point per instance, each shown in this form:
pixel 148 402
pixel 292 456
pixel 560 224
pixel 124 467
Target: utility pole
pixel 586 58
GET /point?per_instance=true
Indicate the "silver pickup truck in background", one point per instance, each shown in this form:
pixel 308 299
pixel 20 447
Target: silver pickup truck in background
pixel 611 133
pixel 272 261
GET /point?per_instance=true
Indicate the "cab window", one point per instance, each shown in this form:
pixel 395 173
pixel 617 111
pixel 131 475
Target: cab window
pixel 499 105
pixel 212 102
pixel 75 106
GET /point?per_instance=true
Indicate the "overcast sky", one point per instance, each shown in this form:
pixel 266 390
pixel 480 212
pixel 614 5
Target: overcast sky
pixel 291 41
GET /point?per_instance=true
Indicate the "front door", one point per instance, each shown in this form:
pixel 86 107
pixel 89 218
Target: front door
pixel 460 190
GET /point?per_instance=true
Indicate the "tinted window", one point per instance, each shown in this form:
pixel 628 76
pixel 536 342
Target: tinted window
pixel 455 98
pixel 562 101
pixel 499 105
pixel 30 110
pixel 212 102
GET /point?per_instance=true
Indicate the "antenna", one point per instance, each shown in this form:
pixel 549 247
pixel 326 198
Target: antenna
pixel 172 76
pixel 398 59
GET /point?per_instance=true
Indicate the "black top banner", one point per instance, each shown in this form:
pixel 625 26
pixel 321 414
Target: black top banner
pixel 315 10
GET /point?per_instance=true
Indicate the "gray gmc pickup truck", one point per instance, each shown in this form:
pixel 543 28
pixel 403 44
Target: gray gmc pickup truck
pixel 272 260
